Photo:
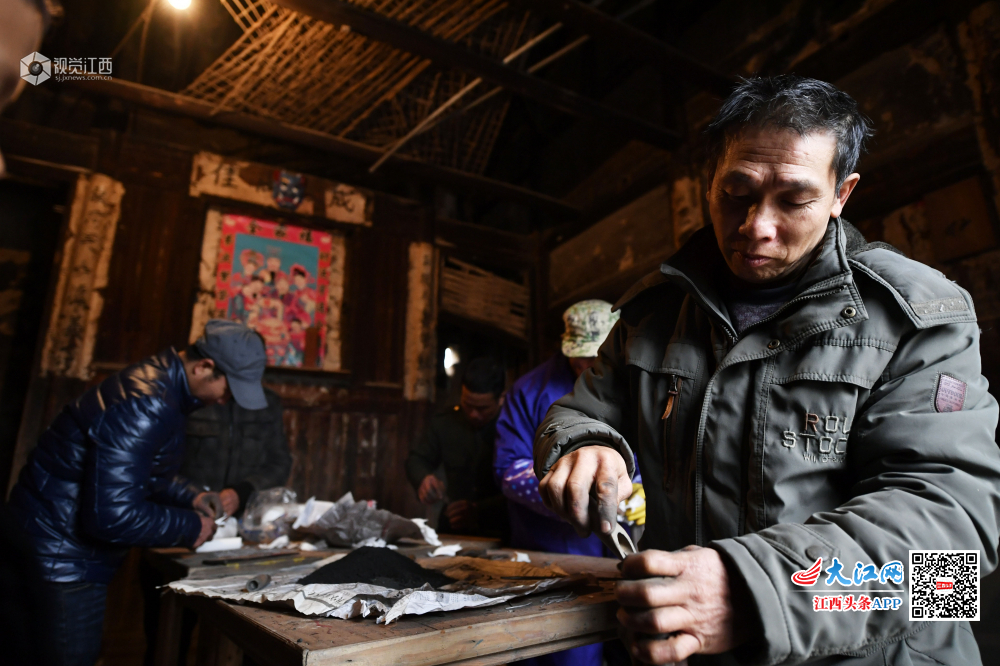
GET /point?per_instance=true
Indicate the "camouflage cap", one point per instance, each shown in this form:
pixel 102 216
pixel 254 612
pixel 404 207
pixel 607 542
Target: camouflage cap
pixel 587 325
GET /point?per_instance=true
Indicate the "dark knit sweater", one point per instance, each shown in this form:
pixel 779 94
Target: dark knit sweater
pixel 749 303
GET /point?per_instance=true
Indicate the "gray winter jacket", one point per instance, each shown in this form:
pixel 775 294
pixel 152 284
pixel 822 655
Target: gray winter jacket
pixel 853 423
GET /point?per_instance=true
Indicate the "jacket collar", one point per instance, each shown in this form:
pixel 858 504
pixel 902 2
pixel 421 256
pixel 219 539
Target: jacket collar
pixel 696 268
pixel 179 382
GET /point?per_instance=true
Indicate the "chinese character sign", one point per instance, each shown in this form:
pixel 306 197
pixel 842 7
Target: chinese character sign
pixel 69 69
pixel 275 278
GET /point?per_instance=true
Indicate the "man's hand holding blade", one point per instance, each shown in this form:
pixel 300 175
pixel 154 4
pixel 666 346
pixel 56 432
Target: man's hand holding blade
pixel 585 486
pixel 208 527
pixel 674 605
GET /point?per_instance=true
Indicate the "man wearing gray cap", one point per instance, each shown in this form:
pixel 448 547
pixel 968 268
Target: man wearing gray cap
pixel 104 476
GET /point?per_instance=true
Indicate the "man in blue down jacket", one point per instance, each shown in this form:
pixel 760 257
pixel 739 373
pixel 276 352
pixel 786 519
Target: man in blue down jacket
pixel 104 478
pixel 803 404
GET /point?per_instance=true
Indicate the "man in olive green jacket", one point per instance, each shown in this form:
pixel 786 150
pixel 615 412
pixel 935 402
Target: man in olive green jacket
pixel 460 439
pixel 793 394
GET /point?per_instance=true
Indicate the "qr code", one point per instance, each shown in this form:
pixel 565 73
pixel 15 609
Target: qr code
pixel 944 585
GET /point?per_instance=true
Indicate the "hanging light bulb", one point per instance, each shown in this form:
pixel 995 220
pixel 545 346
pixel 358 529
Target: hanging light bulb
pixel 451 359
pixel 180 4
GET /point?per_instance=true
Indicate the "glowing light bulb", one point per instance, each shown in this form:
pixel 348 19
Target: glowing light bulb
pixel 450 361
pixel 180 4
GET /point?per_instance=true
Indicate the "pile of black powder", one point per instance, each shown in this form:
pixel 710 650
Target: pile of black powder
pixel 376 566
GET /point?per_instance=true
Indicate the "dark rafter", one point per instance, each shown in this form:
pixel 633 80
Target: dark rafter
pixel 448 54
pixel 623 37
pixel 185 106
pixel 887 29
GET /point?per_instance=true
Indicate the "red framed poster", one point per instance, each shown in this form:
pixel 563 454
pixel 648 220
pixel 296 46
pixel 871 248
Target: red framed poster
pixel 275 278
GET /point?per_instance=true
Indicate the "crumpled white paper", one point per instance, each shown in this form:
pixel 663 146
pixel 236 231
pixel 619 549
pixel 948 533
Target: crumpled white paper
pixel 374 542
pixel 446 551
pixel 427 532
pixel 341 601
pixel 217 545
pixel 311 511
pixel 227 530
pixel 284 542
pixel 280 542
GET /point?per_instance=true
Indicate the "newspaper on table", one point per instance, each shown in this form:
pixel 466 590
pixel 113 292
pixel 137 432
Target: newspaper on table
pixel 479 582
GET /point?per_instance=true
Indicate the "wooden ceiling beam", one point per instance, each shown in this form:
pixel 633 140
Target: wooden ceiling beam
pixel 463 181
pixel 886 29
pixel 447 54
pixel 624 37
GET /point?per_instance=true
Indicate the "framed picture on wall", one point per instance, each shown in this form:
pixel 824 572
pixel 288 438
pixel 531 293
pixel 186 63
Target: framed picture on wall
pixel 282 280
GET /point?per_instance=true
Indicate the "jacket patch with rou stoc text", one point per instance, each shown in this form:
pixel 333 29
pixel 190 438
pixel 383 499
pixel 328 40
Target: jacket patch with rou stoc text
pixel 824 438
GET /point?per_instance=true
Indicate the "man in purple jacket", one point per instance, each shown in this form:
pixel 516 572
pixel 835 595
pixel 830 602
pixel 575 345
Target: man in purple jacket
pixel 533 526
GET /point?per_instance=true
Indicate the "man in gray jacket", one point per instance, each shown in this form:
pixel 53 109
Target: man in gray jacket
pixel 235 451
pixel 806 409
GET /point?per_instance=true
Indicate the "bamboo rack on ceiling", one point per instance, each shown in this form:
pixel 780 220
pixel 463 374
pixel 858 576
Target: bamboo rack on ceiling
pixel 295 69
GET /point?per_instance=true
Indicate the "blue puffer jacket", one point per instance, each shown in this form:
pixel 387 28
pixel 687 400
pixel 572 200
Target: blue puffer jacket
pixel 103 476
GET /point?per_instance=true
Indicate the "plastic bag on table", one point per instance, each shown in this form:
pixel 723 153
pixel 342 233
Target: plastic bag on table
pixel 349 522
pixel 269 514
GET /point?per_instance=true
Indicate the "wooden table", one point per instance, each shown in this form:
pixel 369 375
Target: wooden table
pixel 518 629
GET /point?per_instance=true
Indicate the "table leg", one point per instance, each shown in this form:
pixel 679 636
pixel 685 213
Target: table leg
pixel 168 634
pixel 215 648
pixel 263 646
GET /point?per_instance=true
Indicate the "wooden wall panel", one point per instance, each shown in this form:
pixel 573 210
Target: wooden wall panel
pixel 604 260
pixel 382 288
pixel 338 451
pixel 365 429
pixel 315 440
pixel 26 140
pixel 398 492
pixel 331 465
pixel 358 440
pixel 375 294
pixel 151 283
pixel 153 276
